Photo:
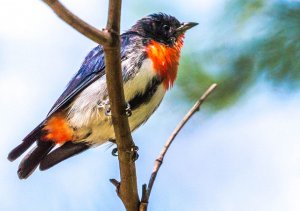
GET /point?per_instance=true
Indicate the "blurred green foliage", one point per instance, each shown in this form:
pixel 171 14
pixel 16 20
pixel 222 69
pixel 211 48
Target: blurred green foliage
pixel 260 44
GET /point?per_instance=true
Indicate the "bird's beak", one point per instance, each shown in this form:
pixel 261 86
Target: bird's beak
pixel 185 26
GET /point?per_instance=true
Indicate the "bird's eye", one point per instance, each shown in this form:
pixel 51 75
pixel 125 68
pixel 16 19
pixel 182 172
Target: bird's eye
pixel 166 27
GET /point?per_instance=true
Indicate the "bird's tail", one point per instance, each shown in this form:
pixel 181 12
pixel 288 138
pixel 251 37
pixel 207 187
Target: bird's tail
pixel 47 135
pixel 64 152
pixel 26 143
pixel 34 157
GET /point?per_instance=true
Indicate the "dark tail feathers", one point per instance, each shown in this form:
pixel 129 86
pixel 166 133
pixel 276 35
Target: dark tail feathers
pixel 33 158
pixel 40 154
pixel 26 143
pixel 67 150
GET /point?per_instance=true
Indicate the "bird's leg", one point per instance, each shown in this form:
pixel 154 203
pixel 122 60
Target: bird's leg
pixel 133 151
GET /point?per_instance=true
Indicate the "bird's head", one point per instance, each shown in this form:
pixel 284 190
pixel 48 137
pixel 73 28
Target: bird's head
pixel 163 39
pixel 162 28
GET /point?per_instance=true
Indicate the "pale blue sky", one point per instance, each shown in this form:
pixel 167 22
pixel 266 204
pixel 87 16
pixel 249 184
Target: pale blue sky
pixel 243 158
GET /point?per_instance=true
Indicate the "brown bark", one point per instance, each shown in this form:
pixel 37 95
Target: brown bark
pixel 110 40
pixel 128 186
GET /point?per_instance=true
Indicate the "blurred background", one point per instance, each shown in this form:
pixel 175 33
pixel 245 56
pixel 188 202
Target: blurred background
pixel 241 152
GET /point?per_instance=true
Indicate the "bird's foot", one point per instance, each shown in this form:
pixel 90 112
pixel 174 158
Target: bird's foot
pixel 128 110
pixel 105 105
pixel 114 152
pixel 107 109
pixel 133 151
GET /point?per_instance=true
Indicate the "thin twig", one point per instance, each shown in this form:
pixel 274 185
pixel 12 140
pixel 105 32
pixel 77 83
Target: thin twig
pixel 144 199
pixel 116 183
pixel 160 158
pixel 100 37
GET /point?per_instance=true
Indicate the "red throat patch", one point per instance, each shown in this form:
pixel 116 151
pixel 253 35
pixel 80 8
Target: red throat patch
pixel 58 130
pixel 165 60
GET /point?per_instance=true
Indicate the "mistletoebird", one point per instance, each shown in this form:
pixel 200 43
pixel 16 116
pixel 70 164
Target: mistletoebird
pixel 80 118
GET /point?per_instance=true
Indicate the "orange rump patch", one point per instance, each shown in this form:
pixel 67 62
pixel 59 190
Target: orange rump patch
pixel 165 60
pixel 58 130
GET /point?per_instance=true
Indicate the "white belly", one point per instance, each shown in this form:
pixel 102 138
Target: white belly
pixel 102 129
pixel 92 125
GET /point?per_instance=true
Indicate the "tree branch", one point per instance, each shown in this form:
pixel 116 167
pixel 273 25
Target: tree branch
pixel 128 185
pixel 100 37
pixel 160 158
pixel 110 40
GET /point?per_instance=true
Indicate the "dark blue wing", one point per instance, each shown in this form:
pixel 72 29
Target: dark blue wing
pixel 91 70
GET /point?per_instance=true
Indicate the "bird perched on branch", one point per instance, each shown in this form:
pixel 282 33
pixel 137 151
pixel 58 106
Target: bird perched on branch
pixel 80 118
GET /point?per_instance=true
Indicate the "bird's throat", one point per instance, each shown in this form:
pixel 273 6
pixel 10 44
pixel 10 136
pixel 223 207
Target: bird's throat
pixel 165 60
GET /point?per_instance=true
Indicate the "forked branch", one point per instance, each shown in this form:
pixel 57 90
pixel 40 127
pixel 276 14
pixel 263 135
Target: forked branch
pixel 110 40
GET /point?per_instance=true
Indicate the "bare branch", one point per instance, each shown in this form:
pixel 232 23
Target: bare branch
pixel 100 37
pixel 159 160
pixel 128 186
pixel 110 40
pixel 116 183
pixel 144 199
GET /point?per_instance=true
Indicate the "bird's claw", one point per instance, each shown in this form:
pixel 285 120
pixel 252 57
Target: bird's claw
pixel 107 110
pixel 114 152
pixel 133 152
pixel 105 105
pixel 128 110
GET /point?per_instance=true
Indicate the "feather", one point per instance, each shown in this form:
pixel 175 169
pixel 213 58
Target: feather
pixel 67 150
pixel 91 69
pixel 33 158
pixel 26 143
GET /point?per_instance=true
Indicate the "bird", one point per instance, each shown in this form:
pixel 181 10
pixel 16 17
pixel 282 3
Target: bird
pixel 80 118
